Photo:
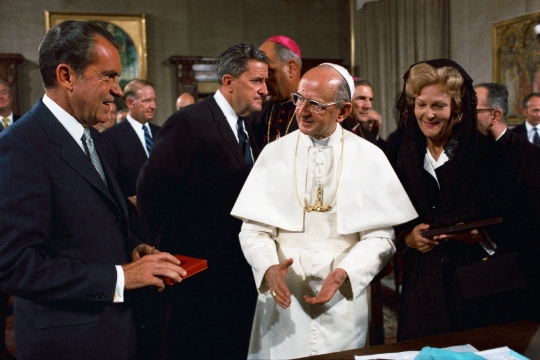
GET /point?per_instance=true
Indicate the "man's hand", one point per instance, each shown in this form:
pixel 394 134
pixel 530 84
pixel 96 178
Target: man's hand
pixel 142 250
pixel 331 284
pixel 133 200
pixel 416 241
pixel 150 270
pixel 275 276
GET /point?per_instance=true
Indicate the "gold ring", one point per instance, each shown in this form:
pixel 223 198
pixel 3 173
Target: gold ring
pixel 273 293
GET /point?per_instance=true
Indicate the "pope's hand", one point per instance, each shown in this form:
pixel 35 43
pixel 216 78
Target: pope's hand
pixel 275 276
pixel 331 284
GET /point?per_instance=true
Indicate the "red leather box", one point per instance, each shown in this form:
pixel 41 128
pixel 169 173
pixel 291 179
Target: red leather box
pixel 191 265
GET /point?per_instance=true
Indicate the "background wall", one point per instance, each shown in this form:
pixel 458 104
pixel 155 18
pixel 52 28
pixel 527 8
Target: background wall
pixel 208 27
pixel 182 27
pixel 471 31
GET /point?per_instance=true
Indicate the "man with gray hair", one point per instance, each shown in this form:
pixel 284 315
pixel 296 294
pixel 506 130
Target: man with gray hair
pixel 277 117
pixel 314 238
pixel 6 106
pixel 199 162
pixel 129 144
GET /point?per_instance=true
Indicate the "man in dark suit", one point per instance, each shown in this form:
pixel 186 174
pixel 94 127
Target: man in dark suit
pixel 529 130
pixel 7 117
pixel 65 250
pixel 128 144
pixel 185 194
pixel 513 190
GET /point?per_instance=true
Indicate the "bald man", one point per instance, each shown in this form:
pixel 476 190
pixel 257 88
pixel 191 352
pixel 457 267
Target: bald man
pixel 184 100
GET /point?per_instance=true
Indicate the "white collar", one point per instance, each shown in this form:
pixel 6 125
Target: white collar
pixel 530 127
pixel 72 125
pixel 228 111
pixel 500 136
pixel 137 125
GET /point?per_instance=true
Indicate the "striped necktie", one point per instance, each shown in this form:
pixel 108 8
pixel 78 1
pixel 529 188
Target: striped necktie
pixel 147 139
pixel 5 122
pixel 92 153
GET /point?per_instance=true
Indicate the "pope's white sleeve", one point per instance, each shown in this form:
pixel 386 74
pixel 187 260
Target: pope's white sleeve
pixel 368 257
pixel 259 247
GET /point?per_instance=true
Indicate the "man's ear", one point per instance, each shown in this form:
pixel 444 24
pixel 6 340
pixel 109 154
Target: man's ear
pixel 497 116
pixel 227 81
pixel 65 76
pixel 344 111
pixel 129 102
pixel 292 68
pixel 524 111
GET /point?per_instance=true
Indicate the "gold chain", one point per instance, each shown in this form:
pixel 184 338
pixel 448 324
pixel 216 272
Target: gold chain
pixel 318 206
pixel 270 125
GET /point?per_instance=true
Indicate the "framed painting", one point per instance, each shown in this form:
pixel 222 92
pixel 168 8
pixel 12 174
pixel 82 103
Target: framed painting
pixel 516 61
pixel 128 30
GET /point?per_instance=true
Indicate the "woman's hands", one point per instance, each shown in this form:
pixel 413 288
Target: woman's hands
pixel 416 241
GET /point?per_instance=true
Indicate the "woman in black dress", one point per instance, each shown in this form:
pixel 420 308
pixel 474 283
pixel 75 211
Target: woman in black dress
pixel 440 164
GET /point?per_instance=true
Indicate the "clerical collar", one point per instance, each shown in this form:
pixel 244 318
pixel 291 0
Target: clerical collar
pixel 320 142
pixel 500 136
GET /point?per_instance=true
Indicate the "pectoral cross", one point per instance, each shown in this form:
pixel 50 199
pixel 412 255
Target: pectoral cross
pixel 318 206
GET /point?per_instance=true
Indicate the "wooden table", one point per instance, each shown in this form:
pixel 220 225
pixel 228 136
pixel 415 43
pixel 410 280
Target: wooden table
pixel 522 337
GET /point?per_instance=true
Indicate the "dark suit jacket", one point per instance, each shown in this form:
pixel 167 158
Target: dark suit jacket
pixel 521 131
pixel 126 156
pixel 186 192
pixel 513 192
pixel 62 233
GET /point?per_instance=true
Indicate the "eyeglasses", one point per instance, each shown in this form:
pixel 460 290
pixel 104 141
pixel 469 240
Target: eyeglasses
pixel 478 110
pixel 314 106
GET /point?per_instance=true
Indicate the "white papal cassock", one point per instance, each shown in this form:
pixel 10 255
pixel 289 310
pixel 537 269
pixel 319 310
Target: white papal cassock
pixel 356 235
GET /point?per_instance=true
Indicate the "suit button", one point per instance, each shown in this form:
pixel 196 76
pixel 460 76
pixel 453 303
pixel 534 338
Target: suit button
pixel 117 220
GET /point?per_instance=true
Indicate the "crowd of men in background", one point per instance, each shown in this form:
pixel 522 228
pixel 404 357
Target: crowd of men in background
pixel 174 188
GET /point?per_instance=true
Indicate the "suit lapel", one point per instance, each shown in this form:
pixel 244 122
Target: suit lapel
pixel 226 132
pixel 71 153
pixel 132 138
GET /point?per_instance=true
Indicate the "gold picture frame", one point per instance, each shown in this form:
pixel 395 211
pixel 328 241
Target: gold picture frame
pixel 516 61
pixel 129 29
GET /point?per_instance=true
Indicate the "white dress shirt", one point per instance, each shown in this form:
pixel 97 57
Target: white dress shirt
pixel 138 127
pixel 531 132
pixel 75 129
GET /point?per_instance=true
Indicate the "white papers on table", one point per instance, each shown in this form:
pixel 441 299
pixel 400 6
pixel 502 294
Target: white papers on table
pixel 502 353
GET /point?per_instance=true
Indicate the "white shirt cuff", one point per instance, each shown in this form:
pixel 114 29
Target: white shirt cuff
pixel 119 290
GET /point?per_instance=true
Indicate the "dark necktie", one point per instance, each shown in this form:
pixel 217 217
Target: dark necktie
pixel 91 153
pixel 147 139
pixel 244 143
pixel 536 138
